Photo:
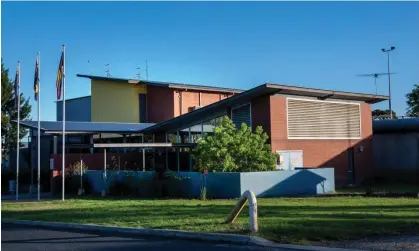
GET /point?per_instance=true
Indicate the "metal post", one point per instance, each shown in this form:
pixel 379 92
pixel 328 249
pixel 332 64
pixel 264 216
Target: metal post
pixel 177 152
pixel 63 154
pixel 143 154
pixel 18 131
pixel 39 127
pixel 202 130
pixel 154 155
pixel 104 160
pixel 81 172
pixel 167 154
pixel 389 84
pixel 190 150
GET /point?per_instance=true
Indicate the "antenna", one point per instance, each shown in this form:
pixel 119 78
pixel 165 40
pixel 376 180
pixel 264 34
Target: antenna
pixel 146 69
pixel 375 76
pixel 108 74
pixel 138 72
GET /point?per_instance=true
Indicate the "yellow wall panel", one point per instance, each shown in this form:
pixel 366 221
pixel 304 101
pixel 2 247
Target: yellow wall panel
pixel 115 101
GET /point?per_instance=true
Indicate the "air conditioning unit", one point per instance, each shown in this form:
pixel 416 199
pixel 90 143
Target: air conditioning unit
pixel 196 107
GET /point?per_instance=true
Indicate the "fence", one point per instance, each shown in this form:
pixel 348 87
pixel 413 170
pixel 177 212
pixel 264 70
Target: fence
pixel 226 185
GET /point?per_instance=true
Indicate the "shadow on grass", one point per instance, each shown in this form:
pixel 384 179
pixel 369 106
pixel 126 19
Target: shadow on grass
pixel 276 222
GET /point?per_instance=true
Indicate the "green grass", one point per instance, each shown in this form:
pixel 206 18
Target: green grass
pixel 287 220
pixel 388 188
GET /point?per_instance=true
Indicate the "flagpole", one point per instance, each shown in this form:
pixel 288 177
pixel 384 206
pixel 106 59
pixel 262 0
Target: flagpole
pixel 18 131
pixel 63 154
pixel 39 125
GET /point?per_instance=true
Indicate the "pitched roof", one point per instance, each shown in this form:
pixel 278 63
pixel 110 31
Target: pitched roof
pixel 220 108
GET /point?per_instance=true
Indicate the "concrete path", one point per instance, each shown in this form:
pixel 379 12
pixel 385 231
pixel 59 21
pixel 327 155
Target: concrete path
pixel 18 237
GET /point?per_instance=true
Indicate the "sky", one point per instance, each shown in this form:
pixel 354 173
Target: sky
pixel 228 44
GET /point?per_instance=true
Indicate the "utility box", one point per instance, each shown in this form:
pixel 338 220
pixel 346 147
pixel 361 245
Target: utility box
pixel 289 159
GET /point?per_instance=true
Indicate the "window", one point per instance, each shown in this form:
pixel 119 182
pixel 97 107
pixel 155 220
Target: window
pixel 323 119
pixel 241 114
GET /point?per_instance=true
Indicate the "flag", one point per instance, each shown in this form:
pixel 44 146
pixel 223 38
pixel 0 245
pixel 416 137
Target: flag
pixel 16 87
pixel 60 76
pixel 36 80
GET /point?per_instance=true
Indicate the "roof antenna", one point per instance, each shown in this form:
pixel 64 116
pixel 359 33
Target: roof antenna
pixel 146 69
pixel 138 72
pixel 108 74
pixel 375 76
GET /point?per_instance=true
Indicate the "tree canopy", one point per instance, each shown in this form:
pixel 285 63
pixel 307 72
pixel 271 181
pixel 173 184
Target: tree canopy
pixel 383 114
pixel 413 102
pixel 9 113
pixel 230 149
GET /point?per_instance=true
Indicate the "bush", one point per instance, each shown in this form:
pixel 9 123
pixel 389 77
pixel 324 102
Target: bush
pixel 25 179
pixel 235 150
pixel 72 184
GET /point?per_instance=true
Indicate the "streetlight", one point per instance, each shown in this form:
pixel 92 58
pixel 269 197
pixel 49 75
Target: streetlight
pixel 388 72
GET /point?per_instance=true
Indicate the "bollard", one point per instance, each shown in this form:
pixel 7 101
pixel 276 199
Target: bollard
pixel 253 210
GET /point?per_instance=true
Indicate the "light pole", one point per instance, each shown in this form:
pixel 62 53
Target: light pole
pixel 388 72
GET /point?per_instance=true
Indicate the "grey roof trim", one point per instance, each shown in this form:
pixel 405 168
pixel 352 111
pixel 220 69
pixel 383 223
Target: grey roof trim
pixel 68 99
pixel 325 94
pixel 165 84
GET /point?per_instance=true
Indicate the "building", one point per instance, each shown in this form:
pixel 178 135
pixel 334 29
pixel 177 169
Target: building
pixel 396 149
pixel 307 127
pixel 135 101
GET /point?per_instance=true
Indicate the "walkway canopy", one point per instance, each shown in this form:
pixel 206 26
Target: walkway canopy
pixel 75 127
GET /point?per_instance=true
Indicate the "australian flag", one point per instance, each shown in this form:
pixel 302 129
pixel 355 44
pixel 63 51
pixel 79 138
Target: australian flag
pixel 36 80
pixel 60 76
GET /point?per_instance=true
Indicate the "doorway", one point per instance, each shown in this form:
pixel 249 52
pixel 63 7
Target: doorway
pixel 351 166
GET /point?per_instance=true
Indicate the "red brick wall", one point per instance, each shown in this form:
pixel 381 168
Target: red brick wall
pixel 160 104
pixel 190 98
pixel 324 153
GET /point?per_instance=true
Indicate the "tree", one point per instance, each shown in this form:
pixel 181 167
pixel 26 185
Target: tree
pixel 383 114
pixel 413 102
pixel 235 150
pixel 9 113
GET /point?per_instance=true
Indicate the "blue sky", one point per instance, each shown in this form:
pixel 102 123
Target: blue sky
pixel 230 44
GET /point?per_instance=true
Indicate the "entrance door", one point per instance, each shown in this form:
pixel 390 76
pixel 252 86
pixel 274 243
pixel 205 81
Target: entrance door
pixel 351 166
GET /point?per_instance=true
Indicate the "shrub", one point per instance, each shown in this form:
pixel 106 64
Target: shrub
pixel 235 150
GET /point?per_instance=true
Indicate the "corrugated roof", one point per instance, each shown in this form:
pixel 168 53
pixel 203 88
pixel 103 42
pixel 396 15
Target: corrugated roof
pixel 219 108
pixel 98 127
pixel 164 84
pixel 86 127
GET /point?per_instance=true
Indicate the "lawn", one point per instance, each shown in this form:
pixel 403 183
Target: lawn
pixel 287 220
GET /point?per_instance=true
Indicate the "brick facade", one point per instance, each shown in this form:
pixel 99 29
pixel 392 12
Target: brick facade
pixel 185 100
pixel 316 152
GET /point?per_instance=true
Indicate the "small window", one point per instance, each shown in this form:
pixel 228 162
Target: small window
pixel 241 115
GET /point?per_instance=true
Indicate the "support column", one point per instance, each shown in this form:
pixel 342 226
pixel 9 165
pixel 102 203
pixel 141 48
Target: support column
pixel 177 152
pixel 154 155
pixel 167 154
pixel 142 139
pixel 190 150
pixel 124 140
pixel 202 130
pixel 91 142
pixel 55 145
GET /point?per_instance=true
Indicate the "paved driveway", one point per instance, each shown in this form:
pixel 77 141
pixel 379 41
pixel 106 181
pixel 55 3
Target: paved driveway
pixel 17 237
